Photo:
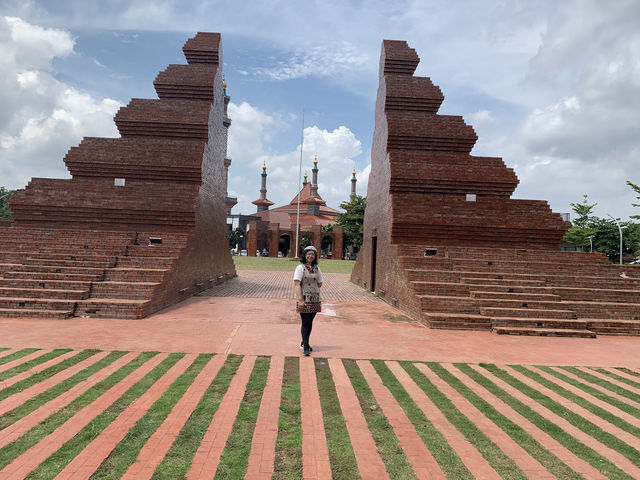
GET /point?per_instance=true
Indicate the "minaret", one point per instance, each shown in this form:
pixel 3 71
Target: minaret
pixel 314 181
pixel 353 184
pixel 262 203
pixel 304 182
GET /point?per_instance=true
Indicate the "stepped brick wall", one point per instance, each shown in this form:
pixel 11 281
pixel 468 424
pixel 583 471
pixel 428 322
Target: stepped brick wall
pixel 444 242
pixel 156 239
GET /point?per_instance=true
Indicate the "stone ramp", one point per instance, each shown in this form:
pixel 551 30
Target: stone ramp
pixel 440 420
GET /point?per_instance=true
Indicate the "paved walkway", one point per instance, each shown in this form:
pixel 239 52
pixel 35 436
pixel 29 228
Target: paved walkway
pixel 253 315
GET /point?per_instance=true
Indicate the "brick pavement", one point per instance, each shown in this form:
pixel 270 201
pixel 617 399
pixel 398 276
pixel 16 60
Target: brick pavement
pixel 363 329
pixel 260 284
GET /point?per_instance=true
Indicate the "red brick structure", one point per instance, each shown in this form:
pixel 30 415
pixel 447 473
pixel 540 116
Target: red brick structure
pixel 141 225
pixel 275 228
pixel 445 243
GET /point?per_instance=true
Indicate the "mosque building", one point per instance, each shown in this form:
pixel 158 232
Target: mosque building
pixel 274 229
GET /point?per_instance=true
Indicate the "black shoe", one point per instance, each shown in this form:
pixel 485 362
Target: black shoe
pixel 302 347
pixel 306 351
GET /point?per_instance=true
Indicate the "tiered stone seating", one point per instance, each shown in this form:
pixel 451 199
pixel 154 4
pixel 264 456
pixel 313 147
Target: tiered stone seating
pixel 141 223
pixel 524 292
pixel 444 242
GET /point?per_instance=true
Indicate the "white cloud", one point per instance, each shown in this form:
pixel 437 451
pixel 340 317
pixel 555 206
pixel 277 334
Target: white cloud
pixel 249 137
pixel 327 60
pixel 41 116
pixel 585 139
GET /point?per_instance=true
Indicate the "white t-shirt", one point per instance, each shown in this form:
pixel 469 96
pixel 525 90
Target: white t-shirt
pixel 297 275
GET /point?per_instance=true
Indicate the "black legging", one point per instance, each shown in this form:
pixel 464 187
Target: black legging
pixel 307 325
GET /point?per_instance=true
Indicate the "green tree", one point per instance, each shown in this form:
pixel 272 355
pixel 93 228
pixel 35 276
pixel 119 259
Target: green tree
pixel 584 225
pixel 636 188
pixel 352 220
pixel 607 238
pixel 4 202
pixel 235 237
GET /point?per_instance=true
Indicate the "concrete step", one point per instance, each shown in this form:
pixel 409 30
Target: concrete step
pixel 29 313
pixel 129 290
pixel 79 263
pixel 135 274
pixel 43 293
pixel 519 297
pixel 145 262
pixel 420 275
pixel 501 281
pixel 81 256
pixel 440 288
pixel 59 269
pixel 454 321
pixel 611 310
pixel 52 276
pixel 50 284
pixel 544 332
pixel 555 323
pixel 451 304
pixel 516 303
pixel 613 327
pixel 598 294
pixel 36 303
pixel 526 313
pixel 112 308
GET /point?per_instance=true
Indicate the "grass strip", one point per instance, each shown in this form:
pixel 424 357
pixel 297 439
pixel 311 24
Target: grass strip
pixel 619 378
pixel 596 393
pixel 628 371
pixel 23 367
pixel 601 382
pixel 235 456
pixel 388 446
pixel 16 448
pixel 577 399
pixel 46 373
pixel 576 420
pixel 127 450
pixel 604 465
pixel 35 402
pixel 56 462
pixel 16 355
pixel 341 455
pixel 446 456
pixel 288 457
pixel 499 461
pixel 177 461
pixel 288 265
pixel 546 458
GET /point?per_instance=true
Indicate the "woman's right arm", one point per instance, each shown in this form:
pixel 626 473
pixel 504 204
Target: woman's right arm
pixel 298 291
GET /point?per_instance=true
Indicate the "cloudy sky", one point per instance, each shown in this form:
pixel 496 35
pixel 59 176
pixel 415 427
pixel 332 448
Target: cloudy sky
pixel 551 87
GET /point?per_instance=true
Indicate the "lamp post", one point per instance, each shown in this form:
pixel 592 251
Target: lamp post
pixel 590 237
pixel 620 230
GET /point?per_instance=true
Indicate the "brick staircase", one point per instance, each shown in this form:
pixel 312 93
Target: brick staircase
pixel 54 273
pixel 526 292
pixel 141 223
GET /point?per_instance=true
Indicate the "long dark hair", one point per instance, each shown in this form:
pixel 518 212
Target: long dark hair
pixel 303 258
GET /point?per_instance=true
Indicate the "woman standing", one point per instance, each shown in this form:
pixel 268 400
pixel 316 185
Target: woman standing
pixel 308 280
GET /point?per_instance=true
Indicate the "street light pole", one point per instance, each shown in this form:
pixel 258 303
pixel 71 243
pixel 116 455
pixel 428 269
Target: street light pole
pixel 620 230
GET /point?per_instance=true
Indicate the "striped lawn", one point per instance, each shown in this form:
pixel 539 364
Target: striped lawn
pixel 147 415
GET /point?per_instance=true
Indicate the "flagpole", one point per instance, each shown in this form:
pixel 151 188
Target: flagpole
pixel 299 188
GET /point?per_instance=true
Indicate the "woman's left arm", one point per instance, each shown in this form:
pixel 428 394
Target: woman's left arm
pixel 319 277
